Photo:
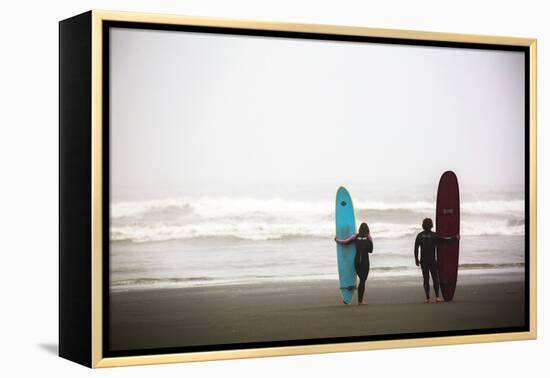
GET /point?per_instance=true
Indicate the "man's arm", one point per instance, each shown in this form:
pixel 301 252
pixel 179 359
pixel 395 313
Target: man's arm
pixel 456 237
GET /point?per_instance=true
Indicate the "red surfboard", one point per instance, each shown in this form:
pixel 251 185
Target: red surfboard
pixel 447 224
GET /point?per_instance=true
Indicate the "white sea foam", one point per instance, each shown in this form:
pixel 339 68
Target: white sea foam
pixel 273 219
pixel 225 206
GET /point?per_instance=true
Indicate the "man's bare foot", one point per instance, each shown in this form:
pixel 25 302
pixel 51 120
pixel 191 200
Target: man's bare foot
pixel 427 300
pixel 439 299
pixel 360 303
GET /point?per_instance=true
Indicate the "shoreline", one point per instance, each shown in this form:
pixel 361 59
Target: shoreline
pixel 466 277
pixel 182 264
pixel 274 311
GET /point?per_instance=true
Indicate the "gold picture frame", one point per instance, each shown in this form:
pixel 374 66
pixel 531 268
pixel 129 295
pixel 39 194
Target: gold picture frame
pixel 88 240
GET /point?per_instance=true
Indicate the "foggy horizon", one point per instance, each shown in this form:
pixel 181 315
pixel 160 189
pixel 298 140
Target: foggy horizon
pixel 211 114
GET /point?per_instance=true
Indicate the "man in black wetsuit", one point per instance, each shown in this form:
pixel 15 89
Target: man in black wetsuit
pixel 427 240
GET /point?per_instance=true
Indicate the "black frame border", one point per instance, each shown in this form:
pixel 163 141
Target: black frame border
pixel 107 25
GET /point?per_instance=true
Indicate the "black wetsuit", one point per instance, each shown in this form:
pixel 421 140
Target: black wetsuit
pixel 427 241
pixel 363 246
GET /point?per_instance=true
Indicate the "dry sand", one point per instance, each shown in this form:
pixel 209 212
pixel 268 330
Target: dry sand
pixel 275 311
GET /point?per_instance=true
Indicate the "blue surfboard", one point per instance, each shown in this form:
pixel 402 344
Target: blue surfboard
pixel 345 227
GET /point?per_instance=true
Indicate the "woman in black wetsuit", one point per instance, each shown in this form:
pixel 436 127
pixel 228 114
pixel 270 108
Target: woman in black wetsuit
pixel 363 246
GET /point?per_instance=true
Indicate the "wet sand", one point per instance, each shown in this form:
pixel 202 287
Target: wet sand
pixel 274 311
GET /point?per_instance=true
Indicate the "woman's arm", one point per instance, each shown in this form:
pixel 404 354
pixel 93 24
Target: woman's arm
pixel 345 241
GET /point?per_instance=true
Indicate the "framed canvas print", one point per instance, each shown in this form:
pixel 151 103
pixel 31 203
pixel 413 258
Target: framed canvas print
pixel 235 189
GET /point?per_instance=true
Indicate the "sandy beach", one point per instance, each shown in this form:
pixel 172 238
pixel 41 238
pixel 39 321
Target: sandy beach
pixel 272 311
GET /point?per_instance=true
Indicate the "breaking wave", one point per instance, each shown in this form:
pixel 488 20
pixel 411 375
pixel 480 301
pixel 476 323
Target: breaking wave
pixel 278 219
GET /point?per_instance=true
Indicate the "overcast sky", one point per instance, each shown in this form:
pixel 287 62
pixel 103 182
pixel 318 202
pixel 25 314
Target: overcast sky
pixel 236 115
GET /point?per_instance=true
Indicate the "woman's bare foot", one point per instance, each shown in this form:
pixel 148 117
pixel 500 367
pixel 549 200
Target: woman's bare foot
pixel 360 303
pixel 427 300
pixel 439 299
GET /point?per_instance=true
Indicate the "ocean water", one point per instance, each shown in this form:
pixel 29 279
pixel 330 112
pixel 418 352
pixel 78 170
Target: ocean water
pixel 187 241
